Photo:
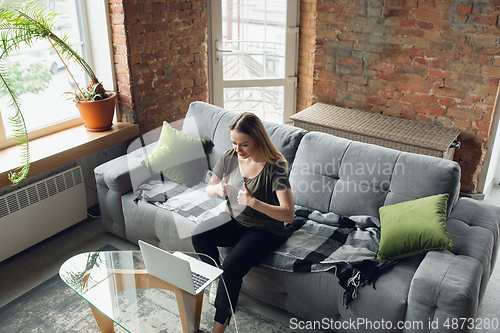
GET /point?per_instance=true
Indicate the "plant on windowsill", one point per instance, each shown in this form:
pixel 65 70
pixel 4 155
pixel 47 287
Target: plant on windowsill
pixel 25 22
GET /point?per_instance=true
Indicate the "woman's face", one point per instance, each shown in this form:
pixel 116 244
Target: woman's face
pixel 244 144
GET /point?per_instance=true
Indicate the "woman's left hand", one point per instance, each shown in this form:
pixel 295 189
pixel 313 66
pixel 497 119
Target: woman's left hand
pixel 245 196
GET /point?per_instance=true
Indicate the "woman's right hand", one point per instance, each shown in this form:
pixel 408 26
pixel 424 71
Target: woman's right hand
pixel 224 189
pixel 218 187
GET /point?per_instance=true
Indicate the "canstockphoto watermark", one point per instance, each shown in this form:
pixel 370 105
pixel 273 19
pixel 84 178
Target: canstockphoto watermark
pixel 347 185
pixel 354 177
pixel 451 324
pixel 355 324
pixel 375 168
pixel 45 4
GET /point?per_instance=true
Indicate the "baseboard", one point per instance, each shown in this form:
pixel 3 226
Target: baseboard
pixel 479 196
pixel 475 196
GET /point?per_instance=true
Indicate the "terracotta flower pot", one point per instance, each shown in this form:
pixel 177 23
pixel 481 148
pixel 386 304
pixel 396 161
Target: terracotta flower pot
pixel 98 115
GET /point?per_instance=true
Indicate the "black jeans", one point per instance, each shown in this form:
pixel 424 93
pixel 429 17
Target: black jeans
pixel 249 247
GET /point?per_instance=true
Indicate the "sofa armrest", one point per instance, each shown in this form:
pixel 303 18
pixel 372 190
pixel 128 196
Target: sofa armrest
pixel 445 286
pixel 115 178
pixel 450 283
pixel 468 218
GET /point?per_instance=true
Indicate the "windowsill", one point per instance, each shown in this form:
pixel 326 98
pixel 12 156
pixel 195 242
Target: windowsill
pixel 62 147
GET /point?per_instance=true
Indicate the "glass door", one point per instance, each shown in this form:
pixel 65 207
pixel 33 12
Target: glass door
pixel 253 49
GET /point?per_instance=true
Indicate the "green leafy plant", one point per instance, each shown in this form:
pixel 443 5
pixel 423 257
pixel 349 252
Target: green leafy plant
pixel 86 94
pixel 23 23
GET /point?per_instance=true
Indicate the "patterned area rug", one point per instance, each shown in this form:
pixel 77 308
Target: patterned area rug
pixel 53 307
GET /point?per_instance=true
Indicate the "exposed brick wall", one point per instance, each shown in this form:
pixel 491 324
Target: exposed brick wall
pixel 121 51
pixel 160 53
pixel 427 60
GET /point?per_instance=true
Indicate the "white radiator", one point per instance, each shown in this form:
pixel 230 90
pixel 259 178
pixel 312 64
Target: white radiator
pixel 40 210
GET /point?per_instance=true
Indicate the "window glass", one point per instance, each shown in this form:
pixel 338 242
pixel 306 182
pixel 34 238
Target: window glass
pixel 40 78
pixel 266 102
pixel 255 32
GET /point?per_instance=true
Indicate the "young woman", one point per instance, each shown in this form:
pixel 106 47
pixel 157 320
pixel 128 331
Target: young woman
pixel 253 177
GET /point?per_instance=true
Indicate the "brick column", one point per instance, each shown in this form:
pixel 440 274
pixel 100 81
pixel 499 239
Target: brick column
pixel 121 53
pixel 160 58
pixel 307 54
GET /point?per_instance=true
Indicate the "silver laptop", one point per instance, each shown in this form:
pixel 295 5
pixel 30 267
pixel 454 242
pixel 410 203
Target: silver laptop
pixel 178 269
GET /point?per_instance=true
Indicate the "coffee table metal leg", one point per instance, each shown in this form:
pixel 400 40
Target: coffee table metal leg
pixel 105 324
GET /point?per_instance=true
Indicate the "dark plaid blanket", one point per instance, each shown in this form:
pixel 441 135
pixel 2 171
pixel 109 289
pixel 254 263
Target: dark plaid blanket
pixel 316 242
pixel 346 246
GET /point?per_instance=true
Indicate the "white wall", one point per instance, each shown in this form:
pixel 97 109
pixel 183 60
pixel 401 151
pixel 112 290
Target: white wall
pixel 99 41
pixel 491 168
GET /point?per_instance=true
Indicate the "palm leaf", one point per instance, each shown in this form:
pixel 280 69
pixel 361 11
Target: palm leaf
pixel 19 126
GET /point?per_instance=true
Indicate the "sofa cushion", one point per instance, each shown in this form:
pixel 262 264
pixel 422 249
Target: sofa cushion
pixel 414 227
pixel 221 138
pixel 417 176
pixel 201 120
pixel 286 138
pixel 333 174
pixel 315 170
pixel 364 179
pixel 178 156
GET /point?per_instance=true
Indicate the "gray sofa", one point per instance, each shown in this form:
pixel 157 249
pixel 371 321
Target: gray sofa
pixel 416 293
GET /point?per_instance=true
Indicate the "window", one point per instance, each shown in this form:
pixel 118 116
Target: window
pixel 253 53
pixel 40 78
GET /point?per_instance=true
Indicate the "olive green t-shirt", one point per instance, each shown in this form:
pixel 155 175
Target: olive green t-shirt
pixel 263 187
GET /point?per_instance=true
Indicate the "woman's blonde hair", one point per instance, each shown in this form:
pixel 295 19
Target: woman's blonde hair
pixel 249 123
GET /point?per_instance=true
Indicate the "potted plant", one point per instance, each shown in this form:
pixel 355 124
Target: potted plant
pixel 24 23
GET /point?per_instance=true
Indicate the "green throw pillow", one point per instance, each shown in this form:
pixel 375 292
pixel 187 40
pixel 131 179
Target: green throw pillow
pixel 179 157
pixel 414 227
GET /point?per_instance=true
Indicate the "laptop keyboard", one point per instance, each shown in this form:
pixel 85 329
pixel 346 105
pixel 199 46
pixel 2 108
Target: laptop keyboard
pixel 198 280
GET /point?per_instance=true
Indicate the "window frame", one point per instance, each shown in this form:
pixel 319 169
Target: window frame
pixel 92 28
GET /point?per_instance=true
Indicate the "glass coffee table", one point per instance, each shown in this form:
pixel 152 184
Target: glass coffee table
pixel 101 277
